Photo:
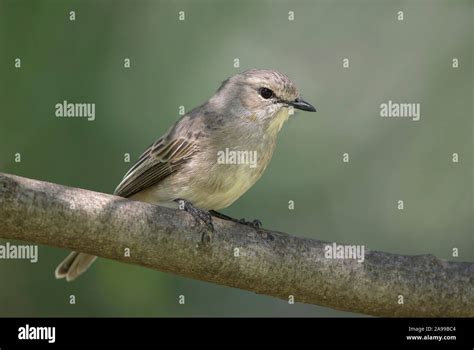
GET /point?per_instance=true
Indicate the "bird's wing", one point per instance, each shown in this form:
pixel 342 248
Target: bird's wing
pixel 161 159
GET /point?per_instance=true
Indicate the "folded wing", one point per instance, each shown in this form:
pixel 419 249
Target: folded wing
pixel 160 160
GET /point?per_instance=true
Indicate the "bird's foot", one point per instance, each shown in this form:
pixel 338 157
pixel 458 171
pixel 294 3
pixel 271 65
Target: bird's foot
pixel 255 224
pixel 201 216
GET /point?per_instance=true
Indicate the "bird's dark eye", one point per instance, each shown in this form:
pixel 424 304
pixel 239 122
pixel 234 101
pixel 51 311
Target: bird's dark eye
pixel 266 93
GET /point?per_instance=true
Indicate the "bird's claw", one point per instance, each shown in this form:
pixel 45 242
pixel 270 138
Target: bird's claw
pixel 256 224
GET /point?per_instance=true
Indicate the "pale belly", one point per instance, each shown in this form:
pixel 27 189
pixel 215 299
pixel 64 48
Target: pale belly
pixel 231 187
pixel 214 189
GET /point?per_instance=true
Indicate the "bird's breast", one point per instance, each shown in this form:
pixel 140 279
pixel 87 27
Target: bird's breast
pixel 225 170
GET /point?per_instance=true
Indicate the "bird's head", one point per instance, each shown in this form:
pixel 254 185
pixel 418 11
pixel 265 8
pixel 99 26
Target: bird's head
pixel 260 94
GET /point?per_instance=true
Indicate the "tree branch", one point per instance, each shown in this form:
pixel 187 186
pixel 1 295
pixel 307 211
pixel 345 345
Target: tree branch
pixel 271 263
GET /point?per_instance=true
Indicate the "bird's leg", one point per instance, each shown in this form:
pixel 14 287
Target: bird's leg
pixel 256 224
pixel 198 214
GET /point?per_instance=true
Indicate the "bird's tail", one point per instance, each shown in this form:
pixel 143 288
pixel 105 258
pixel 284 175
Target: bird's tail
pixel 74 265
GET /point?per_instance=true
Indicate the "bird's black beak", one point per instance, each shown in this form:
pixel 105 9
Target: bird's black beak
pixel 303 105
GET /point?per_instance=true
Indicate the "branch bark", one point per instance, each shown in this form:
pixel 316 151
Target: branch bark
pixel 271 263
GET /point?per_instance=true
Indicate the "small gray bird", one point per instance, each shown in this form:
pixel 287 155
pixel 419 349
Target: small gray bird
pixel 187 165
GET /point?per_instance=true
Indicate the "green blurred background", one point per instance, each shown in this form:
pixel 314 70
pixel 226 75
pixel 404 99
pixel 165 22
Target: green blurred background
pixel 177 63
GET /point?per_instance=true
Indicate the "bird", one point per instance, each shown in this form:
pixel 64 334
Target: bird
pixel 181 168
